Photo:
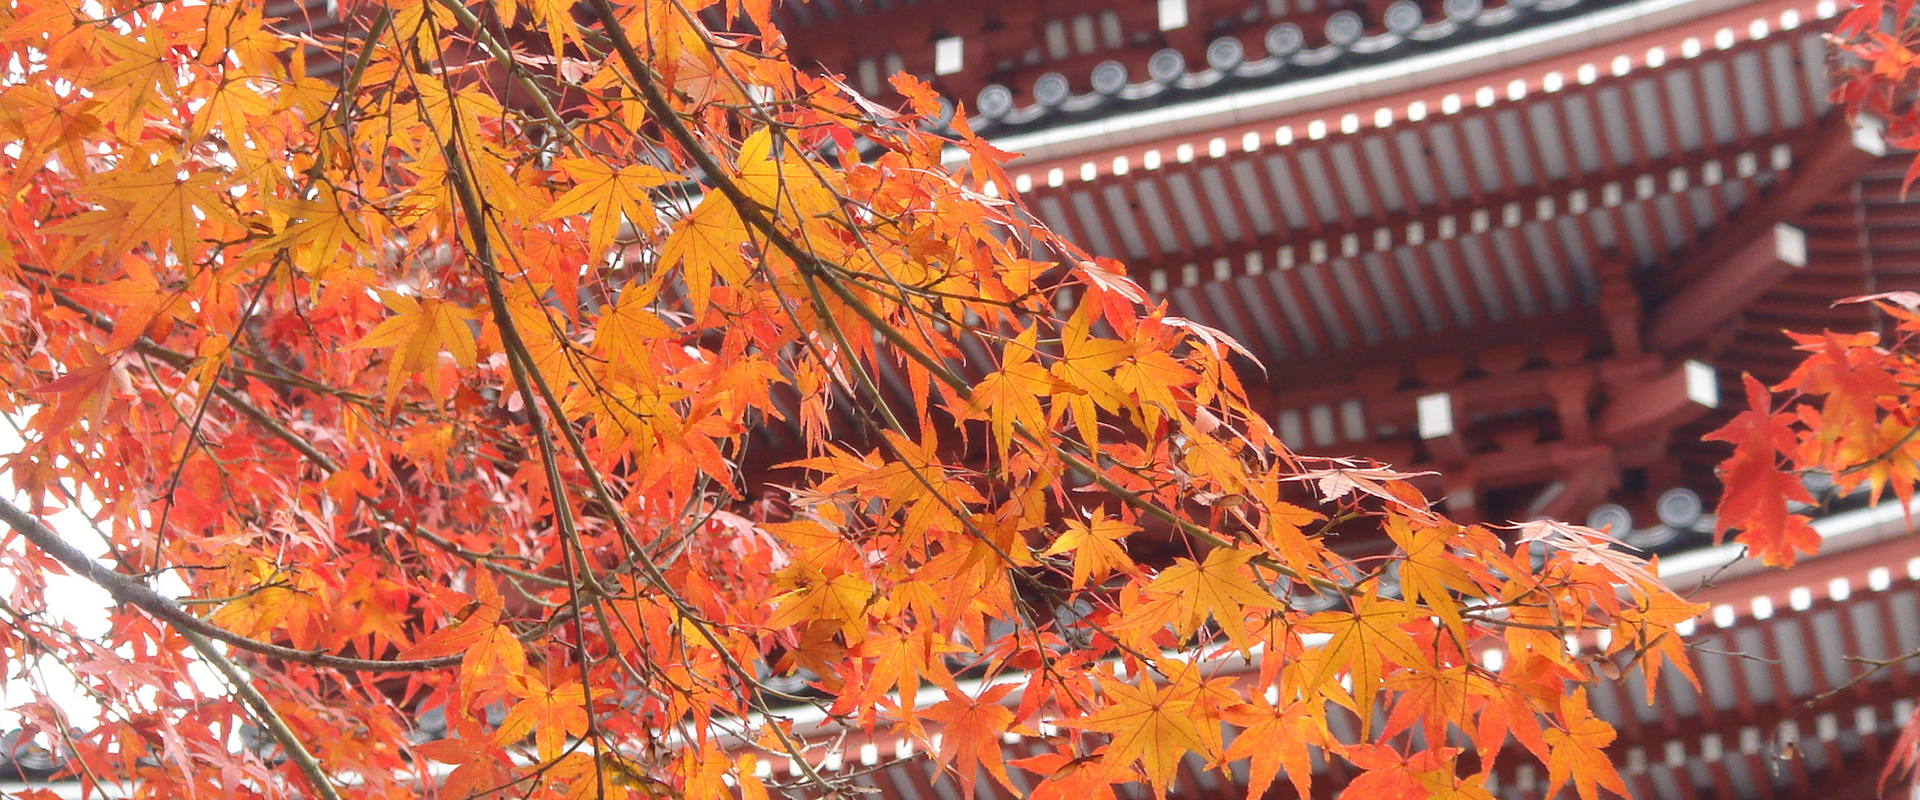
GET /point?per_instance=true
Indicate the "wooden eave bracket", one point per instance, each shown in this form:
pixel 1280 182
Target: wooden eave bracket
pixel 1746 256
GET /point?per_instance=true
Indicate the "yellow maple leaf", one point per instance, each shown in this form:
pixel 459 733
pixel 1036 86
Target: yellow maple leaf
pixel 1218 587
pixel 841 598
pixel 704 244
pixel 419 331
pixel 161 207
pixel 788 187
pixel 1096 547
pixel 1362 639
pixel 1427 574
pixel 1148 725
pixel 320 235
pixel 627 328
pixel 1151 377
pixel 1085 373
pixel 607 196
pixel 1013 393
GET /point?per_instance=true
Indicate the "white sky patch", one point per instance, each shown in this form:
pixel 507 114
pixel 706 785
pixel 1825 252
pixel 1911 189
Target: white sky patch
pixel 74 601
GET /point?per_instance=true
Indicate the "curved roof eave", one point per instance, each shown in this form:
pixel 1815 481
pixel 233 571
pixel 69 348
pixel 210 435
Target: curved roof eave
pixel 1361 84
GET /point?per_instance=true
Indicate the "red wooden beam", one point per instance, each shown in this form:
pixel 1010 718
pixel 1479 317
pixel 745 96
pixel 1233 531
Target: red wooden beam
pixel 1642 404
pixel 1745 257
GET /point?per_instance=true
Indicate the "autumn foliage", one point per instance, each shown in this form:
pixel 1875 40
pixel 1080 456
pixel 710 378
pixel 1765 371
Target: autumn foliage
pixel 1879 77
pixel 582 374
pixel 1849 410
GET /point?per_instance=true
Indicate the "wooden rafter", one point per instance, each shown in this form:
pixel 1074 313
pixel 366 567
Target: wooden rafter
pixel 1748 255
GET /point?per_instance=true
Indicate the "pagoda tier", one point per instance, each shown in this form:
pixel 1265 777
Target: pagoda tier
pixel 1524 263
pixel 1026 64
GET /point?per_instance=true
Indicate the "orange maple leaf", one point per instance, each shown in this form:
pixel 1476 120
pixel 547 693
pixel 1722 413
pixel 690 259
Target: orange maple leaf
pixel 1276 736
pixel 971 734
pixel 550 713
pixel 1577 751
pixel 1149 725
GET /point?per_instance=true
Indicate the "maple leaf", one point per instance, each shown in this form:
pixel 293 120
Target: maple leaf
pixel 1067 777
pixel 1428 573
pixel 1149 725
pixel 550 713
pixel 704 244
pixel 606 777
pixel 788 186
pixel 476 767
pixel 1012 394
pixel 83 392
pixel 1151 378
pixel 840 598
pixel 970 736
pixel 1085 378
pixel 1757 490
pixel 1362 639
pixel 703 772
pixel 1108 276
pixel 1431 698
pixel 492 655
pixel 164 208
pixel 143 302
pixel 627 329
pixel 609 196
pixel 1390 775
pixel 1849 373
pixel 1510 710
pixel 1218 587
pixel 1345 478
pixel 1096 547
pixel 1577 751
pixel 1444 784
pixel 1906 752
pixel 322 235
pixel 1277 736
pixel 1584 545
pixel 420 330
pixel 1648 624
pixel 901 659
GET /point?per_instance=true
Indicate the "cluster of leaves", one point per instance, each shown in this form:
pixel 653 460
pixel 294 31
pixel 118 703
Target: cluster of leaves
pixel 425 389
pixel 1848 412
pixel 1848 409
pixel 1883 37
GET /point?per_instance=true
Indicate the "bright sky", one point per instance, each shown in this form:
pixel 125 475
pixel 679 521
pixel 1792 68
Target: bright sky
pixel 68 598
pixel 74 600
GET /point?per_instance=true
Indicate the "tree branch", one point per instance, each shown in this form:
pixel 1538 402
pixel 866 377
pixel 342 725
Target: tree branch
pixel 127 591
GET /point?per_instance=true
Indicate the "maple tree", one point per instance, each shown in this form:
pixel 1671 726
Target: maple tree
pixel 1849 411
pixel 443 386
